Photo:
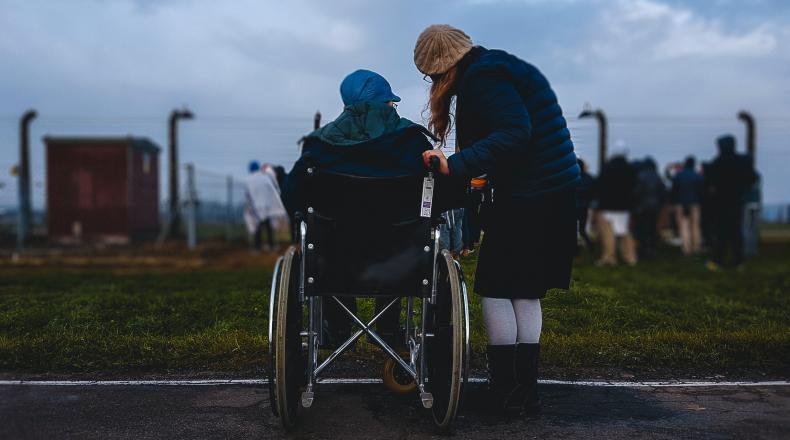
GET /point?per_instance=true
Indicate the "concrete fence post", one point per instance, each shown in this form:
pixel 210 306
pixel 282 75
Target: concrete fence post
pixel 191 208
pixel 229 213
pixel 600 116
pixel 24 221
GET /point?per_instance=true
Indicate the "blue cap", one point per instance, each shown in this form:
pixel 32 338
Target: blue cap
pixel 254 166
pixel 364 85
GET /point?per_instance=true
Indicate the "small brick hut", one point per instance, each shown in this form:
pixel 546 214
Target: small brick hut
pixel 102 189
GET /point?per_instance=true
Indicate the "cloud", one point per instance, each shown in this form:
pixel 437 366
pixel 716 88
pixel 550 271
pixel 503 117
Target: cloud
pixel 664 32
pixel 651 57
pixel 268 59
pixel 523 2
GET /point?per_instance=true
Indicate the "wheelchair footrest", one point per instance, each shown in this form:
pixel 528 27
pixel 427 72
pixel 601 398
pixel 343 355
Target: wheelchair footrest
pixel 427 399
pixel 307 398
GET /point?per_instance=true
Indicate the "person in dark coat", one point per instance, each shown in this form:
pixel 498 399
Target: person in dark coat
pixel 614 191
pixel 584 195
pixel 729 177
pixel 509 126
pixel 368 139
pixel 687 188
pixel 650 195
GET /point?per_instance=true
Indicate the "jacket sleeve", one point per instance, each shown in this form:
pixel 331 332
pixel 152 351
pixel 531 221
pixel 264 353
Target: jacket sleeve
pixel 499 108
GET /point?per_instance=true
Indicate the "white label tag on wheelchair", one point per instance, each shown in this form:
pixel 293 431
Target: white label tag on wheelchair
pixel 427 197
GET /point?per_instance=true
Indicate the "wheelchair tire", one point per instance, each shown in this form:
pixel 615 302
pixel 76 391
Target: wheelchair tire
pixel 290 363
pixel 276 274
pixel 446 357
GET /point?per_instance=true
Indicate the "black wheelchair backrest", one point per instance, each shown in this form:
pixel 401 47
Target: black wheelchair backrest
pixel 365 236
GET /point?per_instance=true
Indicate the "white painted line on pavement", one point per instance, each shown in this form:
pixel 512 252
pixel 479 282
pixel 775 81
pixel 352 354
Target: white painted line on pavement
pixel 219 382
pixel 665 384
pixel 183 382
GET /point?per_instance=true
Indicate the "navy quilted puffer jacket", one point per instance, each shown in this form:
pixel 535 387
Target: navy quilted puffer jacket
pixel 510 126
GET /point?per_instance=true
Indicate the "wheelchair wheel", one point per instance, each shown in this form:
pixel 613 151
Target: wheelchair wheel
pixel 446 351
pixel 276 274
pixel 290 360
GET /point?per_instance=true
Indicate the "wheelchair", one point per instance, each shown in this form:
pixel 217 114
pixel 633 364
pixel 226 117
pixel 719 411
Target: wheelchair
pixel 369 237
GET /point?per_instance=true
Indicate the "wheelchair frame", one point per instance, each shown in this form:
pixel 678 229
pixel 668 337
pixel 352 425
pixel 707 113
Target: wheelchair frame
pixel 419 366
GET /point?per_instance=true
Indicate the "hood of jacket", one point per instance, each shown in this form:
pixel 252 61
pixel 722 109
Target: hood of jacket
pixel 361 122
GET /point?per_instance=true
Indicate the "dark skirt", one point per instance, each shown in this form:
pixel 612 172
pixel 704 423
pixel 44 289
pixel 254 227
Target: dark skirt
pixel 528 246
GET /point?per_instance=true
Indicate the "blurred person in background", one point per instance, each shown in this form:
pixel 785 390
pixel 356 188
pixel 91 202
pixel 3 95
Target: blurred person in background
pixel 687 189
pixel 509 125
pixel 728 179
pixel 707 220
pixel 584 195
pixel 751 216
pixel 670 171
pixel 451 232
pixel 650 194
pixel 614 192
pixel 263 205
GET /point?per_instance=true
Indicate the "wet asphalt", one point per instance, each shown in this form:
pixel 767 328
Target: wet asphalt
pixel 371 412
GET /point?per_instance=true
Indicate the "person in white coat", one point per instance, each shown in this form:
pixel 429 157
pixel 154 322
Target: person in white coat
pixel 263 204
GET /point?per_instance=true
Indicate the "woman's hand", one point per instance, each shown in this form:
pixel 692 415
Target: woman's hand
pixel 443 167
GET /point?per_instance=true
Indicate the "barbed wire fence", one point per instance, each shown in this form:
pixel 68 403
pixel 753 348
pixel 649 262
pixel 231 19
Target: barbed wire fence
pixel 213 205
pixel 220 197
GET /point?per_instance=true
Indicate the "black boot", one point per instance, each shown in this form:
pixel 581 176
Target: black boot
pixel 527 356
pixel 502 378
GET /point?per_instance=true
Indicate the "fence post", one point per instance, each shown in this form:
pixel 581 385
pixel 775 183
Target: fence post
pixel 600 116
pixel 317 120
pixel 751 132
pixel 172 131
pixel 229 214
pixel 191 205
pixel 25 207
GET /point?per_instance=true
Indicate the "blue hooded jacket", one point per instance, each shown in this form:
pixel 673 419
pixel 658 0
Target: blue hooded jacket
pixel 367 139
pixel 510 126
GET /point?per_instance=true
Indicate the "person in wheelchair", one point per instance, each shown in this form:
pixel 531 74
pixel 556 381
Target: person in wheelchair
pixel 368 211
pixel 369 138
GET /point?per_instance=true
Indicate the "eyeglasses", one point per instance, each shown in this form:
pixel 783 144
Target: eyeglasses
pixel 395 105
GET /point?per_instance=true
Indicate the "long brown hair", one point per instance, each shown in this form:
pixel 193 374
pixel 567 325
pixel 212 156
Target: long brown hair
pixel 440 104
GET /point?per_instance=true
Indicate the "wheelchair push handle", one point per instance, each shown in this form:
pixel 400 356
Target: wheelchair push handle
pixel 435 164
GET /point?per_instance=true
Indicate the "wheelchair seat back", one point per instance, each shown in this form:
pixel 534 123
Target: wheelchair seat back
pixel 365 236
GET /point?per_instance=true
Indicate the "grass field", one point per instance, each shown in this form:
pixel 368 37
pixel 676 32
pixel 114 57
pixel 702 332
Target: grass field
pixel 664 318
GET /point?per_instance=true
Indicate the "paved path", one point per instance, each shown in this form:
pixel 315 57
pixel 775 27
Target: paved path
pixel 369 411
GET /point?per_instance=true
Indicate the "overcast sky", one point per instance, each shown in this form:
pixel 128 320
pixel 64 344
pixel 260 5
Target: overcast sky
pixel 671 75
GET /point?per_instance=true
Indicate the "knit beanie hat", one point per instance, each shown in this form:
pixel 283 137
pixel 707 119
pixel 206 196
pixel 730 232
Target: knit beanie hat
pixel 439 47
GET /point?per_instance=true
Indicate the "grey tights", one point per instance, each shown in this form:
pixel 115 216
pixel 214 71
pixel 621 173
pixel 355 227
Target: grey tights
pixel 511 321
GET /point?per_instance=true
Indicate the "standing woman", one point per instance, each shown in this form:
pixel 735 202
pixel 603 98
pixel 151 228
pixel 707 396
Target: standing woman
pixel 510 127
